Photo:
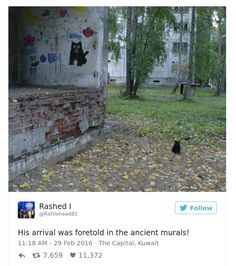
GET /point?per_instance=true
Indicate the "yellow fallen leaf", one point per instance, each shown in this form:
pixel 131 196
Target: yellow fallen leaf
pixel 43 187
pixel 25 185
pixel 148 190
pixel 153 165
pixel 152 177
pixel 47 175
pixel 125 176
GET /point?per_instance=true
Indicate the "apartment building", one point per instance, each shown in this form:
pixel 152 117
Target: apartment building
pixel 176 55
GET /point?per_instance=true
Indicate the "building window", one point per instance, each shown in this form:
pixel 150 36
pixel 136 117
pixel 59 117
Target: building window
pixel 178 27
pixel 184 47
pixel 185 27
pixel 178 9
pixel 176 47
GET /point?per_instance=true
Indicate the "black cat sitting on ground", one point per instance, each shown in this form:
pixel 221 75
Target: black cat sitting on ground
pixel 77 53
pixel 176 148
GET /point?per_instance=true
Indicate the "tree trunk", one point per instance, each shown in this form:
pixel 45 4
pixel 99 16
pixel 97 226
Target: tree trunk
pixel 219 83
pixel 128 52
pixel 194 44
pixel 131 50
pixel 191 57
pixel 224 78
pixel 180 51
pixel 136 85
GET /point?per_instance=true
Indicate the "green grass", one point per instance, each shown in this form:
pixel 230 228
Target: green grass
pixel 167 116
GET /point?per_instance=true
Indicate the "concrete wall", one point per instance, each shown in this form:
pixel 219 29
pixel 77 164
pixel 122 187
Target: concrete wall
pixel 46 39
pixel 14 49
pixel 58 105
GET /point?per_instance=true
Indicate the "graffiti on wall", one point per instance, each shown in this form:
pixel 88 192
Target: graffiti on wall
pixel 51 31
pixel 29 14
pixel 33 65
pixel 75 36
pixel 77 54
pixel 29 40
pixel 79 9
pixel 43 58
pixel 27 51
pixel 52 58
pixel 88 32
pixel 62 13
pixel 46 13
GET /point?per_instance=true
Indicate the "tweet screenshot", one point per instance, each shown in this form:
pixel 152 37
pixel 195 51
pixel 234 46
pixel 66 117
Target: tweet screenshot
pixel 117 135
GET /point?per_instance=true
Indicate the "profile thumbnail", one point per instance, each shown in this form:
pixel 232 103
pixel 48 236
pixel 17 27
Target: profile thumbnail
pixel 26 209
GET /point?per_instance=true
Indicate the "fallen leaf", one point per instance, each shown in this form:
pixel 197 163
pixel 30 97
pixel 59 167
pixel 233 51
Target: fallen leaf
pixel 125 176
pixel 25 185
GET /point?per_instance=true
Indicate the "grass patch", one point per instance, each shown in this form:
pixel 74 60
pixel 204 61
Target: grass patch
pixel 166 116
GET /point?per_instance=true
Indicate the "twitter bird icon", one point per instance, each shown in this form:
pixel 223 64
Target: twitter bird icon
pixel 183 207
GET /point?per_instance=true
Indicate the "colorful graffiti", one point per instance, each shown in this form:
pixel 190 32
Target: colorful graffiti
pixel 34 64
pixel 34 61
pixel 29 14
pixel 57 34
pixel 79 9
pixel 46 41
pixel 88 32
pixel 62 13
pixel 75 36
pixel 43 58
pixel 28 51
pixel 29 40
pixel 52 58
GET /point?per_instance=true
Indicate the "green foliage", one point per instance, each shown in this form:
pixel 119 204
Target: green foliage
pixel 150 45
pixel 147 38
pixel 206 54
pixel 115 31
pixel 203 121
pixel 147 42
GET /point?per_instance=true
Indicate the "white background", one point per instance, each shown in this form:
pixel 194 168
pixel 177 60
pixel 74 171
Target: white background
pixel 147 201
pixel 205 244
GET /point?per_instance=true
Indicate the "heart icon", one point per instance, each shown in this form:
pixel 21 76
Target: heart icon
pixel 72 254
pixel 88 32
pixel 63 13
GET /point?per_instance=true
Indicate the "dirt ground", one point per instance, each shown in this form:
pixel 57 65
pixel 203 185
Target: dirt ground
pixel 128 161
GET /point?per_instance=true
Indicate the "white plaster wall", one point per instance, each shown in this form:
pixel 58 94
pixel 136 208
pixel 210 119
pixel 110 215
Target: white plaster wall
pixel 46 37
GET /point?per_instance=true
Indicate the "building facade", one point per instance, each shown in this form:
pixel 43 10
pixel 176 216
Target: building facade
pixel 176 55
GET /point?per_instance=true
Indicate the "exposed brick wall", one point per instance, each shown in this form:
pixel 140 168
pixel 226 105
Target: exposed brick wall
pixel 38 121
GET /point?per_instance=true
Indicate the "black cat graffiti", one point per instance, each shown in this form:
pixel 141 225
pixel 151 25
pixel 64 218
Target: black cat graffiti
pixel 77 54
